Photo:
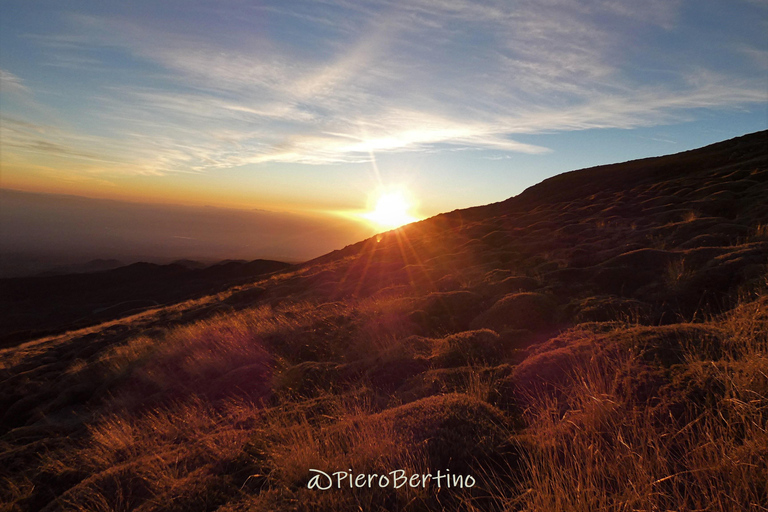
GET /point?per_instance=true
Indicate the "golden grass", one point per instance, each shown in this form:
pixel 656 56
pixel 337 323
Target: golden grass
pixel 626 427
pixel 341 440
pixel 701 443
pixel 166 455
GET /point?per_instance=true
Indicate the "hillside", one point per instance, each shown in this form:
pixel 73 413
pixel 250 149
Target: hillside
pixel 31 307
pixel 598 342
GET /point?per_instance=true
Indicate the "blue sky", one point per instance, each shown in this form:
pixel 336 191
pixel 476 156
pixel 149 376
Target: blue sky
pixel 313 105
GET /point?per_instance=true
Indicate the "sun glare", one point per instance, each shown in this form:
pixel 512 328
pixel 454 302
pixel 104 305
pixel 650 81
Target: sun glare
pixel 392 210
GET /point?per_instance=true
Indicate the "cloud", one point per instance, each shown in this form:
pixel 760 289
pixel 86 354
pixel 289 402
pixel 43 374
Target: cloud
pixel 334 81
pixel 757 55
pixel 103 154
pixel 11 84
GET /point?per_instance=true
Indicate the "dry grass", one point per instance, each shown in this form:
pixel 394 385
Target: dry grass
pixel 677 275
pixel 340 440
pixel 332 433
pixel 698 440
pixel 700 443
pixel 176 458
pixel 479 385
pixel 220 354
pixel 691 216
pixel 761 232
pixel 626 424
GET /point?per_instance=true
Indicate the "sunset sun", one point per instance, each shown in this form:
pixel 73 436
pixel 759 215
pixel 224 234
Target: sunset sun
pixel 392 210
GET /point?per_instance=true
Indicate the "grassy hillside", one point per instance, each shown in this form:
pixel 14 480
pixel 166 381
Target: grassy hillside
pixel 599 342
pixel 32 307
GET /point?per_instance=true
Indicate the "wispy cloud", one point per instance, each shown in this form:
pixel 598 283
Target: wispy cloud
pixel 333 81
pixel 11 84
pixel 104 154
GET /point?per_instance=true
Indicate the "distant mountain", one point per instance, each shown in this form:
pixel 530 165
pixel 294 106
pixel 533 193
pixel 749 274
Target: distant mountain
pixel 39 232
pixel 191 264
pixel 97 265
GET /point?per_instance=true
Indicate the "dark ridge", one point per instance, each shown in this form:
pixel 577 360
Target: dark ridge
pixel 744 150
pixel 97 265
pixel 43 305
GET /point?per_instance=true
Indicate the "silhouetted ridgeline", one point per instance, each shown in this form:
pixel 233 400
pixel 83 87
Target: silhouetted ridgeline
pixel 34 306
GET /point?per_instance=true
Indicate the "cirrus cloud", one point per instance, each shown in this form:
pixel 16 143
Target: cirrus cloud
pixel 334 81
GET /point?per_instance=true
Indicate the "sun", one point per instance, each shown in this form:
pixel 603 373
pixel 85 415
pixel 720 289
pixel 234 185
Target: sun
pixel 392 210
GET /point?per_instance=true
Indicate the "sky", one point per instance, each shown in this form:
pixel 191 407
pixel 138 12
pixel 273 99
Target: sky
pixel 317 106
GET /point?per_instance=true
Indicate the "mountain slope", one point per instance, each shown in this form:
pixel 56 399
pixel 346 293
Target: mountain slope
pixel 597 342
pixel 31 307
pixel 662 231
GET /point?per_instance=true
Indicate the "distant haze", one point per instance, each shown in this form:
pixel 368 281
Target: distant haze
pixel 39 232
